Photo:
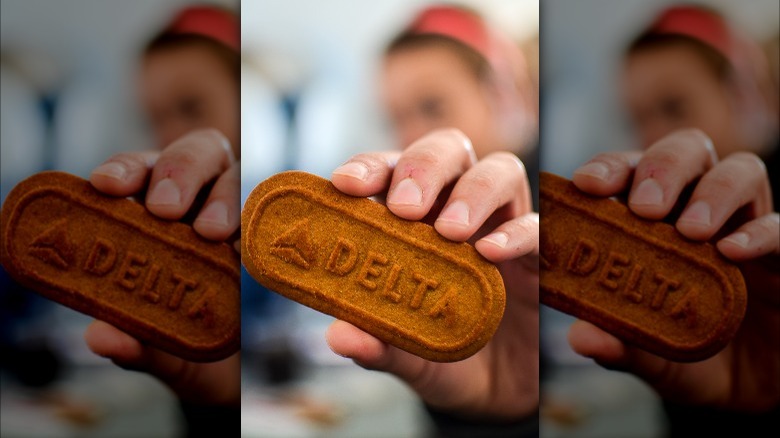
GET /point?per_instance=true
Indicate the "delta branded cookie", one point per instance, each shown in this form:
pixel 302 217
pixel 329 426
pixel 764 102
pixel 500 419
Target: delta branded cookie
pixel 352 258
pixel 110 258
pixel 639 280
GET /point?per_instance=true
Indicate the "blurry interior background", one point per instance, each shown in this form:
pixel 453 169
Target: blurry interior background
pixel 67 100
pixel 582 44
pixel 309 101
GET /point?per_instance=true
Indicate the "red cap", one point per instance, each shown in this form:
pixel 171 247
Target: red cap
pixel 454 23
pixel 699 24
pixel 208 21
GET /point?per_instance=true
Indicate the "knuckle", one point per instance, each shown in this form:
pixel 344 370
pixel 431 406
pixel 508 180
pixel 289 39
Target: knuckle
pixel 425 157
pixel 663 158
pixel 752 163
pixel 450 139
pixel 483 181
pixel 611 160
pixel 768 225
pixel 694 137
pixel 367 159
pixel 454 135
pixel 128 159
pixel 723 182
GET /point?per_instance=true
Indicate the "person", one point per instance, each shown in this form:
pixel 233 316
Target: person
pixel 689 68
pixel 189 89
pixel 696 92
pixel 451 91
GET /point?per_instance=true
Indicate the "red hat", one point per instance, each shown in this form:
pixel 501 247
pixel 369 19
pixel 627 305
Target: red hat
pixel 700 24
pixel 455 23
pixel 208 21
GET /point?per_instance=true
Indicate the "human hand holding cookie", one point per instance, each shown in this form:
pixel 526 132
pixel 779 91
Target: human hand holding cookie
pixel 438 180
pixel 174 177
pixel 730 205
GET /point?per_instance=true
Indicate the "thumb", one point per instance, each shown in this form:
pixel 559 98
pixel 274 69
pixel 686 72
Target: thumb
pixel 211 383
pixel 702 382
pixel 369 352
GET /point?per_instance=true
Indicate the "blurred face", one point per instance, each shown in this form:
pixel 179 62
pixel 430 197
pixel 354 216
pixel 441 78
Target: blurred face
pixel 431 87
pixel 186 88
pixel 673 87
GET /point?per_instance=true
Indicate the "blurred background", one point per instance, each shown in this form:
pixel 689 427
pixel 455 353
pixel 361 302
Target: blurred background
pixel 583 46
pixel 68 85
pixel 310 100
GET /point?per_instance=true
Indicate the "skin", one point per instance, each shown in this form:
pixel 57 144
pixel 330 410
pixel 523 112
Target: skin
pixel 670 88
pixel 743 376
pixel 489 206
pixel 194 118
pixel 173 177
pixel 427 88
pixel 187 88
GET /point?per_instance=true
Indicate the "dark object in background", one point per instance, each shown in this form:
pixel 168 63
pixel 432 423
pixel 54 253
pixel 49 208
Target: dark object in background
pixel 35 365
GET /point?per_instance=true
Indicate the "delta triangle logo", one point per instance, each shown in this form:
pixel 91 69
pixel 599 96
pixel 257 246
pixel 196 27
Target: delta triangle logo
pixel 295 245
pixel 53 246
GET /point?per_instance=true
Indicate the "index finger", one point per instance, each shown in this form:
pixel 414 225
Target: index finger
pixel 425 168
pixel 183 168
pixel 666 168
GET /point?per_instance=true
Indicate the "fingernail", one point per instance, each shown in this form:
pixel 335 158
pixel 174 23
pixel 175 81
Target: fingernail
pixel 112 170
pixel 698 213
pixel 500 239
pixel 353 170
pixel 648 192
pixel 166 192
pixel 739 238
pixel 406 192
pixel 457 212
pixel 596 170
pixel 215 213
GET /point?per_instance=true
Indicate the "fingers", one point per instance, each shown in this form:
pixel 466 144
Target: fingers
pixel 221 214
pixel 738 180
pixel 108 341
pixel 754 239
pixel 511 240
pixel 425 168
pixel 606 174
pixel 666 168
pixel 182 169
pixel 365 174
pixel 124 174
pixel 204 383
pixel 369 352
pixel 418 176
pixel 496 181
pixel 687 383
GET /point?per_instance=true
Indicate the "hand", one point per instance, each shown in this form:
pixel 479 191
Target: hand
pixel 174 178
pixel 730 205
pixel 490 205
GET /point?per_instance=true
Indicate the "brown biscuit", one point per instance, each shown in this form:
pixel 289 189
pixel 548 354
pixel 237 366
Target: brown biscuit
pixel 353 259
pixel 639 280
pixel 110 258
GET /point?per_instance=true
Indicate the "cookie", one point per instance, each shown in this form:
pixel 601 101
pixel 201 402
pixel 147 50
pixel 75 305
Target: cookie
pixel 640 280
pixel 353 259
pixel 110 258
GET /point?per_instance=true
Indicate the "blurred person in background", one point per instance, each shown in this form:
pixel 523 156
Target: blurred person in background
pixel 705 111
pixel 459 97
